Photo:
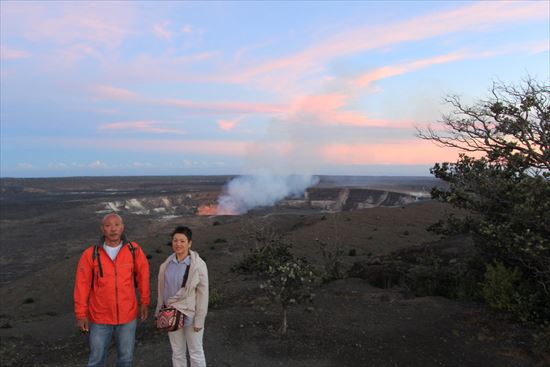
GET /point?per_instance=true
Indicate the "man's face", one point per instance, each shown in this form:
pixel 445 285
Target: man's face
pixel 112 228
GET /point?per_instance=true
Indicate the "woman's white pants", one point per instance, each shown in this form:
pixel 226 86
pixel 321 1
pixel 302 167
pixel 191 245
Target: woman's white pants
pixel 183 339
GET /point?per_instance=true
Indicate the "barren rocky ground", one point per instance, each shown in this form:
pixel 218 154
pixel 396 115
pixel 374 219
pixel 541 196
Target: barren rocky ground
pixel 349 323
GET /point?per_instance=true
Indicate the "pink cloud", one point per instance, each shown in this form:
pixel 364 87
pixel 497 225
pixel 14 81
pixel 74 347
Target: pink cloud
pixel 223 106
pixel 110 92
pixel 7 53
pixel 228 125
pixel 115 93
pixel 207 147
pixel 394 70
pixel 327 109
pixel 393 152
pixel 71 54
pixel 69 22
pixel 140 126
pixel 161 30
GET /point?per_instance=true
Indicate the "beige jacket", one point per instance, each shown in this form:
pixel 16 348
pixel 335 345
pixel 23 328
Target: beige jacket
pixel 192 300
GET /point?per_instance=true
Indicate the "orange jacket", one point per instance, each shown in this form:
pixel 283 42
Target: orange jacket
pixel 111 299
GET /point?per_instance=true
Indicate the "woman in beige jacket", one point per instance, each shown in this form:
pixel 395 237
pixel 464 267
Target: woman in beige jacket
pixel 187 293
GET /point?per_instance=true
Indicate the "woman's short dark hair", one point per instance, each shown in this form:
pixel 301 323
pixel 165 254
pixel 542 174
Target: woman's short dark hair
pixel 185 231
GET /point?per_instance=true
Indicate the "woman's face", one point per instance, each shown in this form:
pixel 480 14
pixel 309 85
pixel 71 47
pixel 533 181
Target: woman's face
pixel 181 245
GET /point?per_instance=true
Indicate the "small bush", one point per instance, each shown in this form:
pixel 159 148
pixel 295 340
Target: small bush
pixel 28 300
pixel 215 298
pixel 220 240
pixel 216 223
pixel 456 279
pixel 332 261
pixel 290 283
pixel 158 251
pixel 542 345
pixel 499 286
pixel 352 252
pixel 505 288
pixel 425 278
pixel 149 256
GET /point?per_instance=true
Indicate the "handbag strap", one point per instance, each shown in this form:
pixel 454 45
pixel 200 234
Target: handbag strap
pixel 185 276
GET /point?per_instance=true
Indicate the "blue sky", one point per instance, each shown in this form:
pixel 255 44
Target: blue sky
pixel 184 88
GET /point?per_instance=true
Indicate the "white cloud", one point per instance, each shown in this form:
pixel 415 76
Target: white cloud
pixel 97 164
pixel 142 165
pixel 57 165
pixel 24 165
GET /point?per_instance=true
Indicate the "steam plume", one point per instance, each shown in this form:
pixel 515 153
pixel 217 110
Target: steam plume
pixel 246 192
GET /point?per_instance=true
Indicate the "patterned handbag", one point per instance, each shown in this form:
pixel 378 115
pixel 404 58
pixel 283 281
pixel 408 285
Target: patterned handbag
pixel 169 319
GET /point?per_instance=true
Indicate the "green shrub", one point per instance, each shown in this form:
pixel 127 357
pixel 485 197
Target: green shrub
pixel 506 289
pixel 425 278
pixel 215 298
pixel 332 260
pixel 456 279
pixel 499 286
pixel 542 345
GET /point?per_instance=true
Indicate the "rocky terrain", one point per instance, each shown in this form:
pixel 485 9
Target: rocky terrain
pixel 365 319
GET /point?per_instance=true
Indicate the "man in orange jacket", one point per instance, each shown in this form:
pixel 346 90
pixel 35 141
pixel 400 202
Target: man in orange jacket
pixel 105 299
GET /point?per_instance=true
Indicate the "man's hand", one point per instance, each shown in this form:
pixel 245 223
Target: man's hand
pixel 197 329
pixel 83 325
pixel 144 312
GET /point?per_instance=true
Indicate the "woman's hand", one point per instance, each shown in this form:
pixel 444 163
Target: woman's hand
pixel 197 329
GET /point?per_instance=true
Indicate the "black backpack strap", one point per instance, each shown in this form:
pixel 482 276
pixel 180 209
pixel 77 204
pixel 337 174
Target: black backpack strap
pixel 133 252
pixel 96 255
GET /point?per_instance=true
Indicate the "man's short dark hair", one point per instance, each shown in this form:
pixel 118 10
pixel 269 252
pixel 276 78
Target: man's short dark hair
pixel 185 231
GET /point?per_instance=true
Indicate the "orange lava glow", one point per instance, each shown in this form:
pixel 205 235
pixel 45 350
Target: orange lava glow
pixel 207 209
pixel 213 209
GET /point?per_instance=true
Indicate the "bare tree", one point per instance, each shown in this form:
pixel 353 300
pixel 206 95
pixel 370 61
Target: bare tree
pixel 512 126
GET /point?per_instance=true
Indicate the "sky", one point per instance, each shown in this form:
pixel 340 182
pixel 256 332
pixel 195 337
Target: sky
pixel 214 88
